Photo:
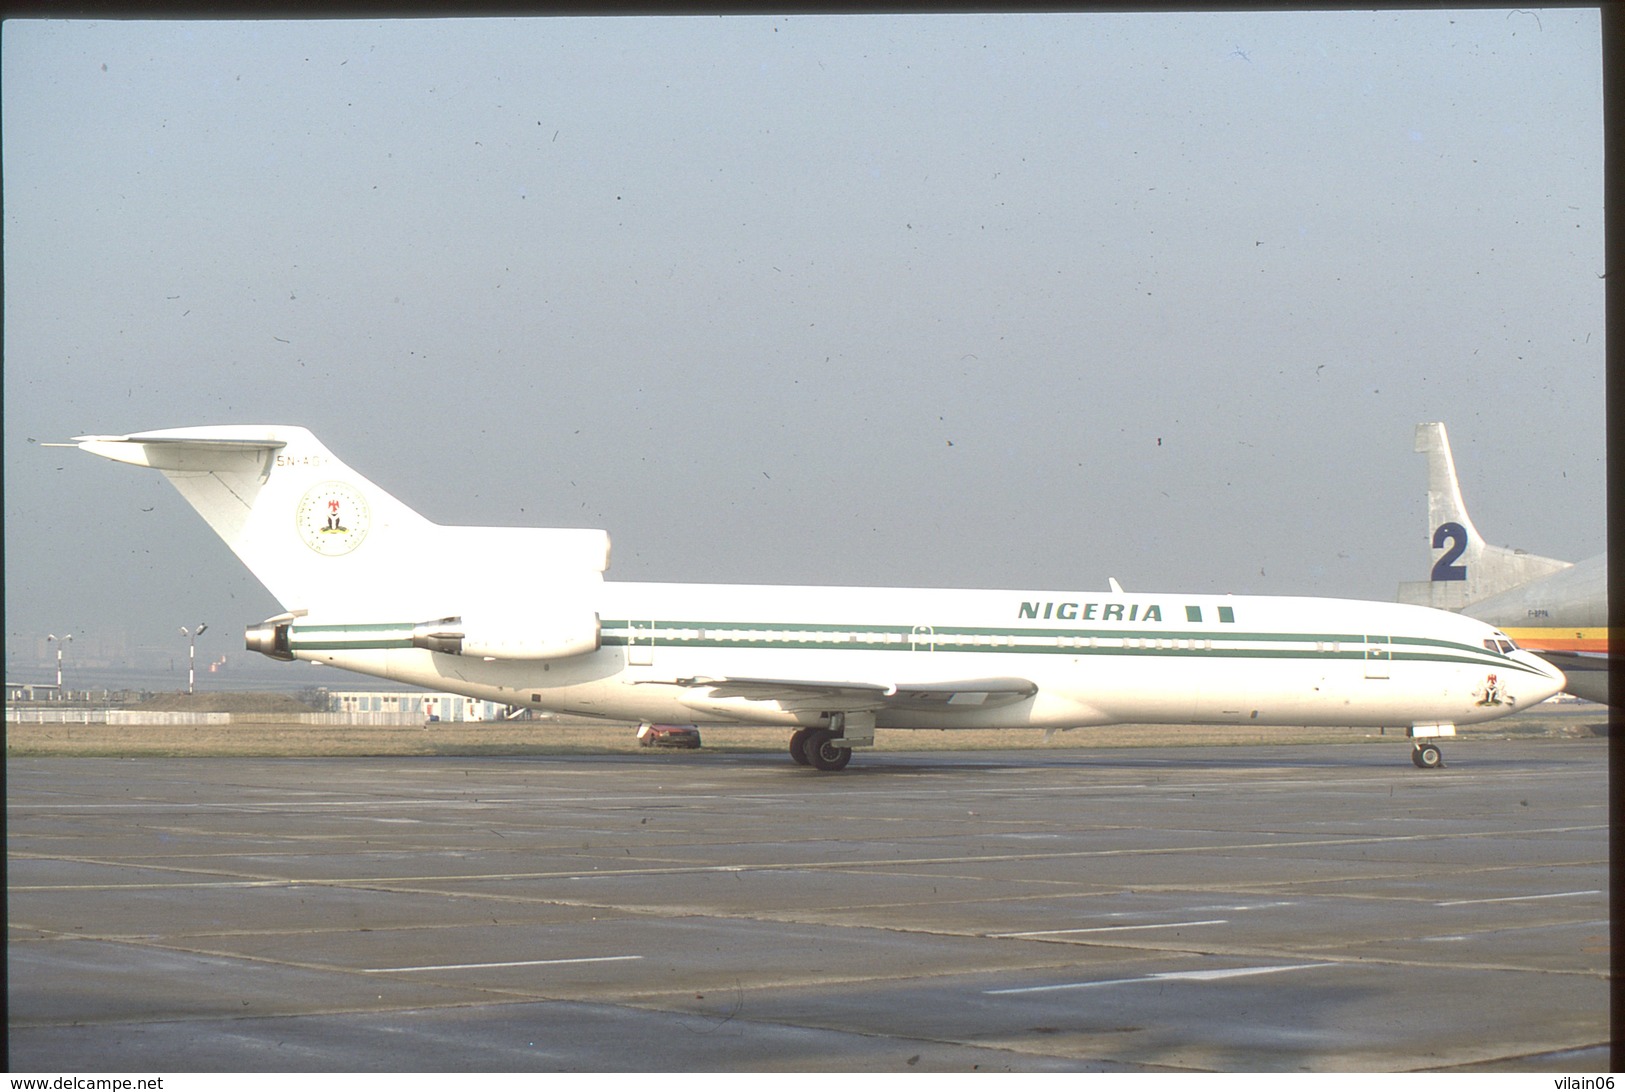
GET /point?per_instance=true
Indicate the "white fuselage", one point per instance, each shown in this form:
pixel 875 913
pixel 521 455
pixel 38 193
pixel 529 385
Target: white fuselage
pixel 1095 658
pixel 523 616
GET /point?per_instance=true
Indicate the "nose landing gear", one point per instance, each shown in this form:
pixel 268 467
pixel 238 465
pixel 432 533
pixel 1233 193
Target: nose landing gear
pixel 1427 756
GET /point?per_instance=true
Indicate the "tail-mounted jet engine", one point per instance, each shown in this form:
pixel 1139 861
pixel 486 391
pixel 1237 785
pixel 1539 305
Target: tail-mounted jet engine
pixel 547 636
pixel 542 639
pixel 269 638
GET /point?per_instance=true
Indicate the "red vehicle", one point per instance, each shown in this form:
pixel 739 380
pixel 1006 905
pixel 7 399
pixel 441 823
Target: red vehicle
pixel 668 735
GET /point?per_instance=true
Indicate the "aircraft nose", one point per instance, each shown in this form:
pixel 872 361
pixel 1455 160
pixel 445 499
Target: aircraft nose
pixel 1555 683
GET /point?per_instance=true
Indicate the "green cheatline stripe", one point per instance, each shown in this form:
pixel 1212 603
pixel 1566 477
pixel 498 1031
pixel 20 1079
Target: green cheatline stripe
pixel 801 637
pixel 668 634
pixel 668 631
pixel 949 647
pixel 665 627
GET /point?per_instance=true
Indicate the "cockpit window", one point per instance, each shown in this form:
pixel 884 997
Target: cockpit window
pixel 1500 643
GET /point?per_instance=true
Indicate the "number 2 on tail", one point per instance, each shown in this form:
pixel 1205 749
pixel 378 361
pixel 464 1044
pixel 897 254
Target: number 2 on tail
pixel 1446 568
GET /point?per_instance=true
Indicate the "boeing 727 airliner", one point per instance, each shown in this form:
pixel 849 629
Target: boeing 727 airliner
pixel 524 616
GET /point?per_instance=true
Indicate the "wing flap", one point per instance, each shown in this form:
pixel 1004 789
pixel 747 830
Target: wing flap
pixel 833 696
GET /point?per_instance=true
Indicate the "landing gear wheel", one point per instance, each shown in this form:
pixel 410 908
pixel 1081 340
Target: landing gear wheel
pixel 1427 756
pixel 823 753
pixel 798 746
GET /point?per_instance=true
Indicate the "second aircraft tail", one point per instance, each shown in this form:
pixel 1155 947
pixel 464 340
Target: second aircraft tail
pixel 1465 568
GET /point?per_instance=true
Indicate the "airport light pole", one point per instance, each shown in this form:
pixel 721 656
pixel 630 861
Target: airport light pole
pixel 191 659
pixel 60 641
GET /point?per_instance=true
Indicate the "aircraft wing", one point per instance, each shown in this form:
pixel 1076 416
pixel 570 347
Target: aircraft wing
pixel 802 694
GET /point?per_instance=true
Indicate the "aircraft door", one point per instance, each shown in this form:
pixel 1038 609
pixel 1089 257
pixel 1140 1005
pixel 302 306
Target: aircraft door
pixel 641 644
pixel 1379 655
pixel 924 639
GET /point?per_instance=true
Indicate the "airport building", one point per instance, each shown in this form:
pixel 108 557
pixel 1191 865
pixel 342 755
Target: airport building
pixel 44 704
pixel 417 703
pixel 32 692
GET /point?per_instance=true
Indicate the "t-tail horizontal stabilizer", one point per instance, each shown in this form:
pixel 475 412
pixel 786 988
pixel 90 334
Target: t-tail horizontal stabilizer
pixel 322 537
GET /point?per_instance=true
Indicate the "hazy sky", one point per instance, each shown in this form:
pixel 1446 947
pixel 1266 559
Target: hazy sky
pixel 981 301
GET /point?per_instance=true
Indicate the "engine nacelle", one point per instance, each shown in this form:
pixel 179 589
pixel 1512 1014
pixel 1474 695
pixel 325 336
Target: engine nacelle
pixel 268 638
pixel 552 636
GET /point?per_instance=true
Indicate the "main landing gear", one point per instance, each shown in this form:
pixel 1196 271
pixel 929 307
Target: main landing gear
pixel 821 749
pixel 831 748
pixel 1427 756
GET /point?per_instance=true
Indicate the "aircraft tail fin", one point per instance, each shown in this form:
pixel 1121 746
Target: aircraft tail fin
pixel 1465 568
pixel 317 533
